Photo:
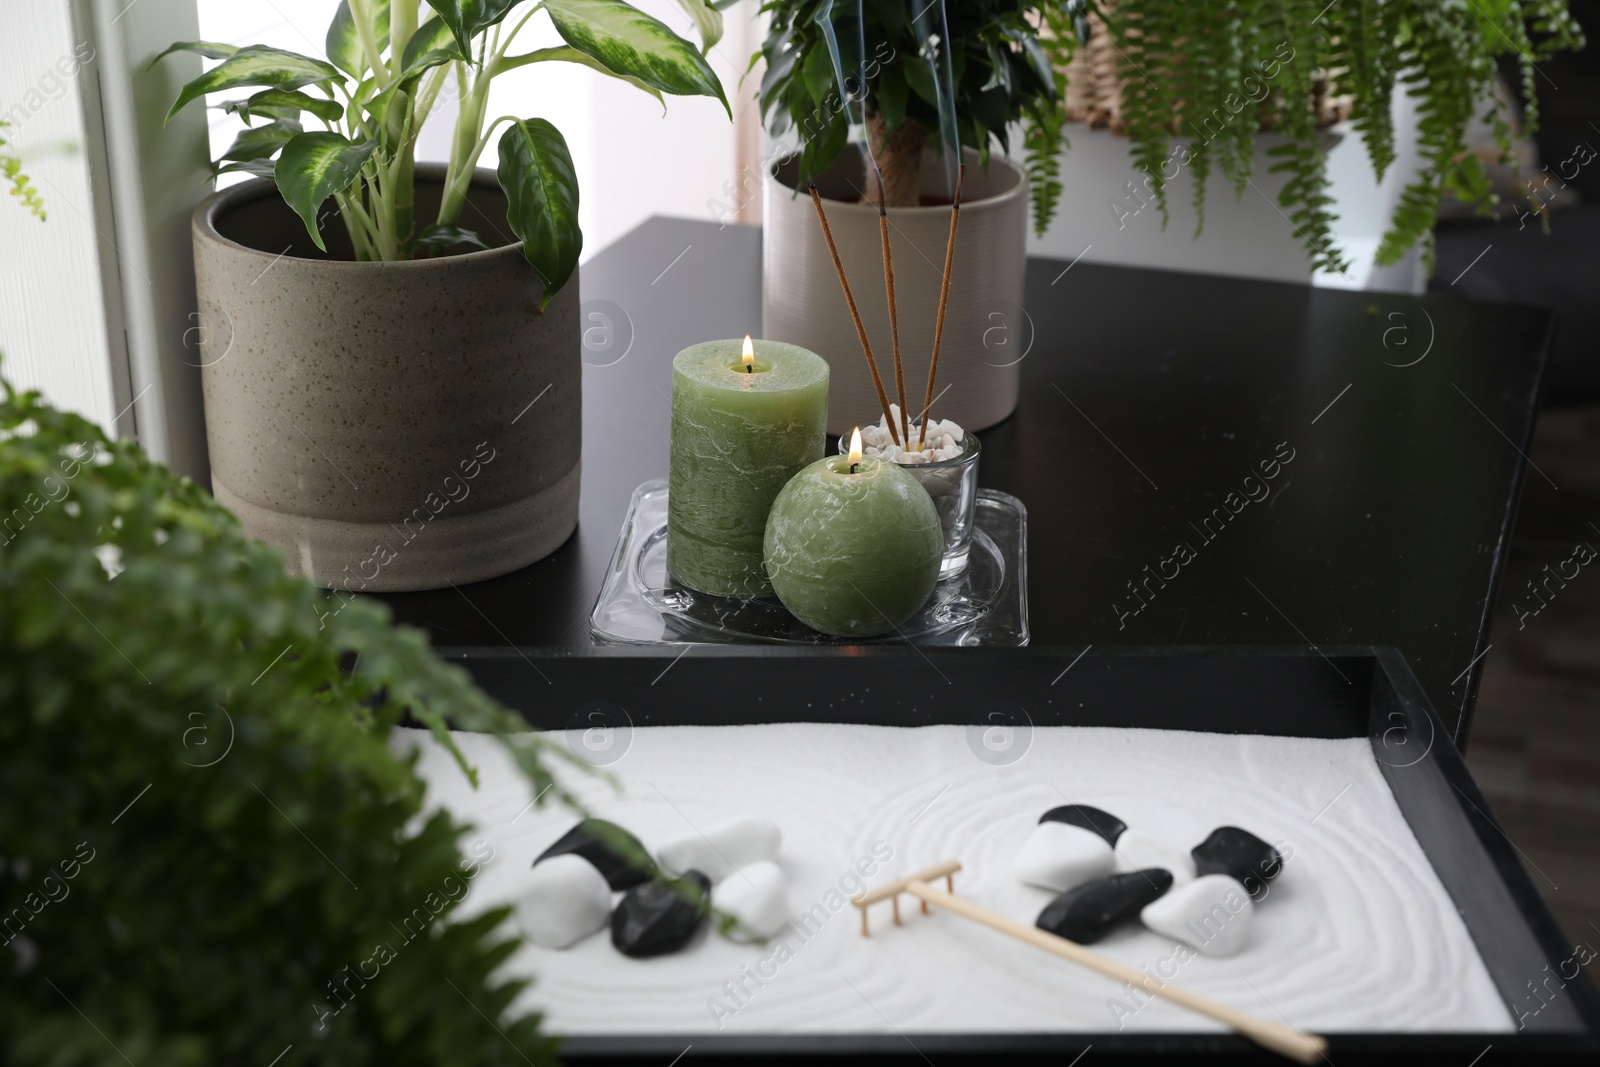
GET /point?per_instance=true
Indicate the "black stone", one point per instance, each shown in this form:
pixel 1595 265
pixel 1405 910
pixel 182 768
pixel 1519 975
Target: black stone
pixel 617 870
pixel 1239 854
pixel 1090 911
pixel 1083 816
pixel 661 917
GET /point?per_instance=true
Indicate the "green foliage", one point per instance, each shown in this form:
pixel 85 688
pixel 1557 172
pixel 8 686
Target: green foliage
pixel 21 186
pixel 204 833
pixel 1210 76
pixel 1213 75
pixel 537 177
pixel 1002 75
pixel 626 40
pixel 383 76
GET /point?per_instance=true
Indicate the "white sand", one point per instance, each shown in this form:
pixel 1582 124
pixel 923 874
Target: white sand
pixel 1356 933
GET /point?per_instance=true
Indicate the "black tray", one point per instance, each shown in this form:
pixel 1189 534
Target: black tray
pixel 1338 692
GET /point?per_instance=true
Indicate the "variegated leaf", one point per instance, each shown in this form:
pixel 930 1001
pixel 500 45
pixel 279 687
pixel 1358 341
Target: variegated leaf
pixel 468 18
pixel 314 166
pixel 257 65
pixel 343 45
pixel 541 187
pixel 278 103
pixel 707 19
pixel 209 49
pixel 626 41
pixel 260 142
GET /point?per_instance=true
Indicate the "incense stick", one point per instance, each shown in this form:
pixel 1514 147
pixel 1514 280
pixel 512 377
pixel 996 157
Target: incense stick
pixel 1280 1038
pixel 855 315
pixel 894 315
pixel 944 296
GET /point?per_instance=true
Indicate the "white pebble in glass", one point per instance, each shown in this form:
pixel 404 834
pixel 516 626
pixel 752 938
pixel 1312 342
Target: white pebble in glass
pixel 1058 856
pixel 1211 914
pixel 947 468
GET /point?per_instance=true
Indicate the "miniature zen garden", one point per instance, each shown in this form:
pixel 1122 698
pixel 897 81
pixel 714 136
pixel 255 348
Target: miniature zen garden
pixel 824 490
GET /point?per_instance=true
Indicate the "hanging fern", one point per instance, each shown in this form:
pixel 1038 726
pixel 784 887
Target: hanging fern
pixel 1044 138
pixel 21 186
pixel 1198 82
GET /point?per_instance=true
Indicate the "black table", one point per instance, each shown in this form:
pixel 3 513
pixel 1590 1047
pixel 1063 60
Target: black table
pixel 1147 398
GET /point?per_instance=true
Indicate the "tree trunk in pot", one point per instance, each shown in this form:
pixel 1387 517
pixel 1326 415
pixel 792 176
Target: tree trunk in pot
pixel 389 426
pixel 899 159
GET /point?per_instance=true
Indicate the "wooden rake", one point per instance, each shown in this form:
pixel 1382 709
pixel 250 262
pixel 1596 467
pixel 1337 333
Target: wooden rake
pixel 1285 1040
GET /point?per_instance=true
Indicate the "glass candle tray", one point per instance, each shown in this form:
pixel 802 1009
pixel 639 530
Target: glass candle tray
pixel 985 604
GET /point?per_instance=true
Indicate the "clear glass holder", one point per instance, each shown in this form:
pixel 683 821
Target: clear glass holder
pixel 985 603
pixel 953 485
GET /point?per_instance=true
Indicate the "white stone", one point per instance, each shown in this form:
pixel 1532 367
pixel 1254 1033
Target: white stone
pixel 1136 852
pixel 1211 914
pixel 944 440
pixel 1058 856
pixel 757 895
pixel 563 901
pixel 721 850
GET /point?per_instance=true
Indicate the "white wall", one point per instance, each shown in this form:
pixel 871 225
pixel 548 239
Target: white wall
pixel 632 161
pixel 52 317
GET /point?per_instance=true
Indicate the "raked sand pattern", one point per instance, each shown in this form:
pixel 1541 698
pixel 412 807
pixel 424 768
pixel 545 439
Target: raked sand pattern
pixel 1356 933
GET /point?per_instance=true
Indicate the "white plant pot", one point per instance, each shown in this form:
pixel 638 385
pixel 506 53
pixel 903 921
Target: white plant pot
pixel 802 303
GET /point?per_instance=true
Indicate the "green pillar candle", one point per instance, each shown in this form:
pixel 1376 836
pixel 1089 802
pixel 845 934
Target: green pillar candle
pixel 738 435
pixel 853 554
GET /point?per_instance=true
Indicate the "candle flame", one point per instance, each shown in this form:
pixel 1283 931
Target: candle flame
pixel 855 447
pixel 747 355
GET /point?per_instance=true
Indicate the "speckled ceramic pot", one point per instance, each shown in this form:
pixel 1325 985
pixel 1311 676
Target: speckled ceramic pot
pixel 390 426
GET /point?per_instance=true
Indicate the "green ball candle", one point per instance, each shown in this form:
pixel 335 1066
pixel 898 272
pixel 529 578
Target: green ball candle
pixel 853 545
pixel 745 418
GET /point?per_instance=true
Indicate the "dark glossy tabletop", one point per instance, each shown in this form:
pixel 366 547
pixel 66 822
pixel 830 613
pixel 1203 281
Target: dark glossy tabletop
pixel 1147 398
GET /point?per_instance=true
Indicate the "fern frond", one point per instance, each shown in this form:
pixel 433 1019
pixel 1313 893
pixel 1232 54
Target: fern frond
pixel 1192 70
pixel 21 186
pixel 1043 141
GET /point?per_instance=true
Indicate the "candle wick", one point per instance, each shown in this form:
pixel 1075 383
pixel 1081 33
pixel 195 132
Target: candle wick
pixel 853 467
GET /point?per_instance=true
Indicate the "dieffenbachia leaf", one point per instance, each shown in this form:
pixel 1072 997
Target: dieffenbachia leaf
pixel 343 45
pixel 438 237
pixel 626 41
pixel 258 168
pixel 424 50
pixel 285 103
pixel 430 46
pixel 249 112
pixel 259 142
pixel 707 19
pixel 314 166
pixel 256 65
pixel 567 54
pixel 541 187
pixel 209 49
pixel 468 18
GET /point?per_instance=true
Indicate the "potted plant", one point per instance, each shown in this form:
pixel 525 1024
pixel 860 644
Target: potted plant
pixel 207 833
pixel 392 379
pixel 1198 90
pixel 916 81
